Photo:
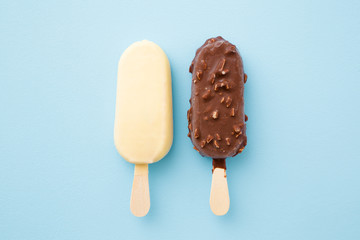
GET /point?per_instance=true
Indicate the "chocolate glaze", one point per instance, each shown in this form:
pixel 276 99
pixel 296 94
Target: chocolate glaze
pixel 219 163
pixel 216 115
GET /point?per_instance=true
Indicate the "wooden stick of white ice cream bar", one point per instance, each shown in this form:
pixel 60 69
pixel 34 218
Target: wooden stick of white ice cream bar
pixel 143 131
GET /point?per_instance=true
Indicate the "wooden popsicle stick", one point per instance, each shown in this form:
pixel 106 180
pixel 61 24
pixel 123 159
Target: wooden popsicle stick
pixel 219 194
pixel 140 195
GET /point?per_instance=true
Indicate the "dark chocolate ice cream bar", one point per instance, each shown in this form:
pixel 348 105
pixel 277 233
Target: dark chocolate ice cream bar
pixel 216 115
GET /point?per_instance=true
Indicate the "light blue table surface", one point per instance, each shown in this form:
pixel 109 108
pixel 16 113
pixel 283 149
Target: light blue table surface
pixel 62 178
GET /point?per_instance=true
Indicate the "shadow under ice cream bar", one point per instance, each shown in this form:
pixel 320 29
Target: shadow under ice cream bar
pixel 216 115
pixel 143 131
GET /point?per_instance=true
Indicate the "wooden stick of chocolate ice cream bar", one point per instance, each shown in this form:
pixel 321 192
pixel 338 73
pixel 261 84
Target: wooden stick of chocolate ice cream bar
pixel 216 116
pixel 219 194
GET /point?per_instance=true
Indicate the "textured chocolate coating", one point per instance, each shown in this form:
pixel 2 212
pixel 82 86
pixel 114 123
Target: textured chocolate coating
pixel 216 115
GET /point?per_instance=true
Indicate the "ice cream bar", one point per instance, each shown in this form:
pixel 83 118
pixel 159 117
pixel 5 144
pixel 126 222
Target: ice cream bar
pixel 143 130
pixel 216 119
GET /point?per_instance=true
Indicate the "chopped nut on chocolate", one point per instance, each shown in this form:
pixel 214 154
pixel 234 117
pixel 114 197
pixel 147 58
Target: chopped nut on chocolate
pixel 224 72
pixel 199 74
pixel 218 136
pixel 212 78
pixel 227 141
pixel 209 138
pixel 206 118
pixel 218 44
pixel 196 133
pixel 217 86
pixel 237 128
pixel 216 144
pixel 221 64
pixel 221 84
pixel 230 49
pixel 228 101
pixel 188 134
pixel 246 118
pixel 222 100
pixel 206 95
pixel 202 143
pixel 241 149
pixel 215 114
pixel 191 68
pixel 190 126
pixel 232 112
pixel 203 64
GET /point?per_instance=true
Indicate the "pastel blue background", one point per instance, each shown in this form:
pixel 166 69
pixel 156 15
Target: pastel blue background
pixel 61 177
